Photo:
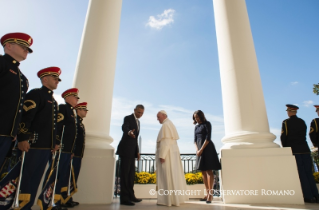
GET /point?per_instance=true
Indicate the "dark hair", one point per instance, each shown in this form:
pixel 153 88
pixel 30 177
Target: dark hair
pixel 201 116
pixel 139 106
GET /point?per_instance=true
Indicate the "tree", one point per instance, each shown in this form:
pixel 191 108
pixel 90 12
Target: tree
pixel 316 89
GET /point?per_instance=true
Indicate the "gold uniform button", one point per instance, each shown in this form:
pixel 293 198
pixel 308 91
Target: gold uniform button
pixel 14 61
pixel 49 91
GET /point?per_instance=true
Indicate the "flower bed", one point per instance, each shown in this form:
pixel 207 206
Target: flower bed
pixel 148 178
pixel 316 176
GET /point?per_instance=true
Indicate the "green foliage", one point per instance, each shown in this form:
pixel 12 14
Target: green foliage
pixel 316 89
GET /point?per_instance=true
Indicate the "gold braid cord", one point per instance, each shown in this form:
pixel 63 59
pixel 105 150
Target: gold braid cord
pixel 22 128
pixel 32 106
pixel 60 117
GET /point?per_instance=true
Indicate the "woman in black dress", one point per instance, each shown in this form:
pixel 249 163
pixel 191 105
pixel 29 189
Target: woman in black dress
pixel 206 155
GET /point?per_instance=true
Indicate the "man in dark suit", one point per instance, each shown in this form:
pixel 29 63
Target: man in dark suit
pixel 314 130
pixel 128 151
pixel 293 134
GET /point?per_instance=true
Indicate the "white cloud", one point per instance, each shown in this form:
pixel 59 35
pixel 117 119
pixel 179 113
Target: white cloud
pixel 162 20
pixel 294 83
pixel 181 117
pixel 307 103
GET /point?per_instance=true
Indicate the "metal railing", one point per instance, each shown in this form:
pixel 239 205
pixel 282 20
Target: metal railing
pixel 147 163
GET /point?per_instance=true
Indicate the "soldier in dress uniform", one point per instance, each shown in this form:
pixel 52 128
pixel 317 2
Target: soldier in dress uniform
pixel 66 117
pixel 81 110
pixel 13 87
pixel 38 126
pixel 314 129
pixel 293 134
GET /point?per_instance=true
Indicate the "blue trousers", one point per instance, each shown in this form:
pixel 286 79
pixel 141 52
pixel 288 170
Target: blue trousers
pixel 308 184
pixel 63 173
pixel 34 165
pixel 76 168
pixel 5 145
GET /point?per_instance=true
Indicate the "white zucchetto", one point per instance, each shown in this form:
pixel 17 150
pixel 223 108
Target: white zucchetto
pixel 163 112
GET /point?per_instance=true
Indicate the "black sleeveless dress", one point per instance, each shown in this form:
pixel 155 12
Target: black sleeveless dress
pixel 209 158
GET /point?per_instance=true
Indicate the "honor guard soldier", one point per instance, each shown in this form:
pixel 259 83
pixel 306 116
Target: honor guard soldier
pixel 38 126
pixel 81 110
pixel 67 118
pixel 314 129
pixel 13 87
pixel 293 134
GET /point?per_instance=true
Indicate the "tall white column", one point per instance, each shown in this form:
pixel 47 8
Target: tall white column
pixel 250 159
pixel 94 77
pixel 246 123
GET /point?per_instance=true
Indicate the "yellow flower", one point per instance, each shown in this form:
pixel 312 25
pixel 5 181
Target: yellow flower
pixel 142 177
pixel 199 177
pixel 316 176
pixel 191 178
pixel 147 178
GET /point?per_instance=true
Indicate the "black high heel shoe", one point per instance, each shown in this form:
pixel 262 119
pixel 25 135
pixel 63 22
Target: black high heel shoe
pixel 209 199
pixel 203 199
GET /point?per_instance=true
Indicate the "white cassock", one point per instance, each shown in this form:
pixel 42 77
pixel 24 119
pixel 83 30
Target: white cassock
pixel 170 179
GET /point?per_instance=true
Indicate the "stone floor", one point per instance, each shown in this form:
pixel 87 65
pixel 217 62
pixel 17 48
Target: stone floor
pixel 217 204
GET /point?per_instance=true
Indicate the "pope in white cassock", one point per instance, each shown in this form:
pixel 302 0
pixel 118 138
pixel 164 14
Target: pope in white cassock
pixel 170 179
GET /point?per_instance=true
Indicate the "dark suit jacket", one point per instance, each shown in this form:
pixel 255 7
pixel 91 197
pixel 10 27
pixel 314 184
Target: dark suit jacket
pixel 293 134
pixel 39 119
pixel 128 146
pixel 67 118
pixel 314 132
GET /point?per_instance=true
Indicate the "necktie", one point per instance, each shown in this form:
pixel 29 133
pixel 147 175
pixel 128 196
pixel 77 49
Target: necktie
pixel 138 124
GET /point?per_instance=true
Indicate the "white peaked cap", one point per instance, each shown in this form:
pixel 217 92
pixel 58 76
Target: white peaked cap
pixel 163 112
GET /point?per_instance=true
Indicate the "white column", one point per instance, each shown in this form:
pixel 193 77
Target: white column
pixel 250 159
pixel 94 77
pixel 246 123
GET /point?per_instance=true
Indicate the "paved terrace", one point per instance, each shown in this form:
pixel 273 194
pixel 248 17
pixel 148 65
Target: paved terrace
pixel 216 204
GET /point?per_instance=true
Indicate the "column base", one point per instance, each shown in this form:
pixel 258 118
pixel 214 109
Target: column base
pixel 260 176
pixel 249 140
pixel 96 179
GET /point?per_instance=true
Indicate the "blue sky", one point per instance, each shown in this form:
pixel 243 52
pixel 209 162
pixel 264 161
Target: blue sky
pixel 173 64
